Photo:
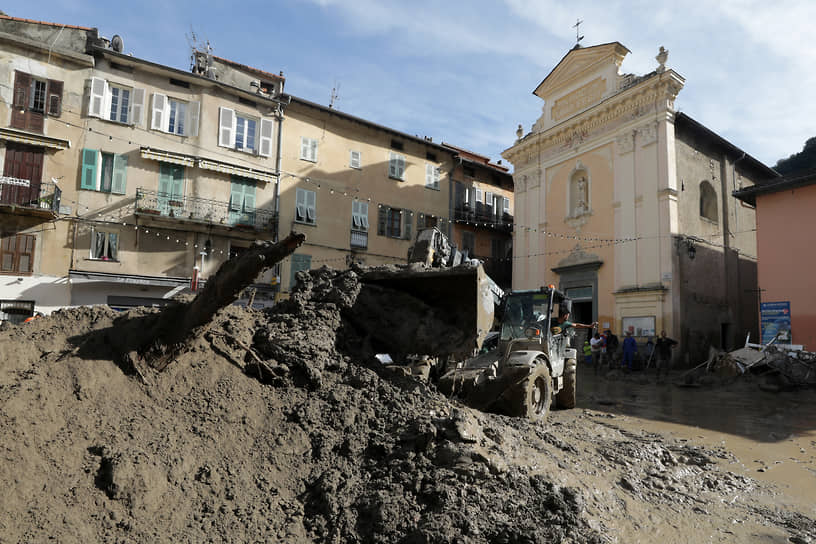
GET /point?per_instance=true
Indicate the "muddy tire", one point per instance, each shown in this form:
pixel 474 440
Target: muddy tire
pixel 531 396
pixel 566 397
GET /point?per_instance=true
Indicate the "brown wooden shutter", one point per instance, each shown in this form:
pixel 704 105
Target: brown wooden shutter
pixel 54 105
pixel 25 253
pixel 22 88
pixel 17 253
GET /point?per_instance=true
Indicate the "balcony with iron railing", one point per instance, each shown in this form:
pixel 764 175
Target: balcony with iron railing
pixel 30 196
pixel 359 239
pixel 205 211
pixel 483 214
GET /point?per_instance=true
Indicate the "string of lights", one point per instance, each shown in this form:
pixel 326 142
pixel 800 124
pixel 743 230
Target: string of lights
pixel 595 241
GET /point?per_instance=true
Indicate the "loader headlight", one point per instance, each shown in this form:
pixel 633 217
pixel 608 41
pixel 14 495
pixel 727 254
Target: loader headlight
pixel 532 332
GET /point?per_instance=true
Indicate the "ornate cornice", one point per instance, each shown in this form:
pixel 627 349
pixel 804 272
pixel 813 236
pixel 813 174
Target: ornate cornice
pixel 654 95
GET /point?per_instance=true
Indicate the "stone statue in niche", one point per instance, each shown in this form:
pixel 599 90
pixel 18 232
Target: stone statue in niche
pixel 579 200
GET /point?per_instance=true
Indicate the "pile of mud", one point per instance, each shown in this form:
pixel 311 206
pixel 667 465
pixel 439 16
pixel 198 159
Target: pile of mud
pixel 275 427
pixel 319 449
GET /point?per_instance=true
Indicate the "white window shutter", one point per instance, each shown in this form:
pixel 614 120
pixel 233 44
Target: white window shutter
pixel 392 165
pixel 96 97
pixel 364 214
pixel 304 148
pixel 310 206
pixel 478 195
pixel 354 160
pixel 429 175
pixel 157 121
pixel 267 131
pixel 300 205
pixel 137 107
pixel 436 172
pixel 314 150
pixel 193 115
pixel 226 127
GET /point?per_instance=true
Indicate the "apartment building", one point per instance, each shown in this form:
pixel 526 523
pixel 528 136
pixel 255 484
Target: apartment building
pixel 156 174
pixel 482 212
pixel 359 191
pixel 39 89
pixel 125 181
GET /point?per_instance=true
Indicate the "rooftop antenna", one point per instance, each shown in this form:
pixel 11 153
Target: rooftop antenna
pixel 576 26
pixel 200 56
pixel 335 94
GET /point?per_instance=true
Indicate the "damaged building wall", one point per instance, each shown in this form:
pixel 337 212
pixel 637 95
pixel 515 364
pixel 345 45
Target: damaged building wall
pixel 715 256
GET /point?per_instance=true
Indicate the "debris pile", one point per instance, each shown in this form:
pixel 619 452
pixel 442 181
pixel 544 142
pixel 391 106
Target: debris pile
pixel 276 426
pixel 791 368
pixel 262 429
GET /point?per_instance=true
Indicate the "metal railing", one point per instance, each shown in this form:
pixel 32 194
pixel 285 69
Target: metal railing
pixel 482 214
pixel 27 194
pixel 359 239
pixel 204 210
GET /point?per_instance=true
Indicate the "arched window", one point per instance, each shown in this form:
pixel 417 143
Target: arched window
pixel 579 193
pixel 708 201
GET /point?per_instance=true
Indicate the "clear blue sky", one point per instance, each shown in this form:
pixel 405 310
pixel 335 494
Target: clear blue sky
pixel 463 72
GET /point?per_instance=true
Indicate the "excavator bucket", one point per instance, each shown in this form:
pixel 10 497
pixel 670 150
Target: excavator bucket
pixel 425 311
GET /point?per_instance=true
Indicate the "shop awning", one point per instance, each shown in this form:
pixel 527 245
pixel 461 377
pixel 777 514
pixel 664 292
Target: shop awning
pixel 167 156
pixel 40 140
pixel 81 276
pixel 236 170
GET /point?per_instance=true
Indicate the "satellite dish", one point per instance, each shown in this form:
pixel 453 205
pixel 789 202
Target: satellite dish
pixel 117 44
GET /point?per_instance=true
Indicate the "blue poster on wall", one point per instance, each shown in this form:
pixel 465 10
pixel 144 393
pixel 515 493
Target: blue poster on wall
pixel 775 319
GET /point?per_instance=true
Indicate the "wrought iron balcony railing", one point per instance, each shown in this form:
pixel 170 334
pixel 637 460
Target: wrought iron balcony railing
pixel 30 194
pixel 359 239
pixel 204 210
pixel 483 214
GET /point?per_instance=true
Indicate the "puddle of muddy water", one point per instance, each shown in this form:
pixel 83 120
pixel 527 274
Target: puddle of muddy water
pixel 736 408
pixel 772 435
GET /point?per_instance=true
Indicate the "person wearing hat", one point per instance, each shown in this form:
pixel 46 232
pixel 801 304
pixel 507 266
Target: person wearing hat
pixel 629 350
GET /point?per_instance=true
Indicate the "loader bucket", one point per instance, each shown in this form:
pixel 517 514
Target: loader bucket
pixel 416 310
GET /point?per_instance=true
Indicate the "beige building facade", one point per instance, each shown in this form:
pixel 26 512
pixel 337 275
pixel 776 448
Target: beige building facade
pixel 625 204
pixel 358 191
pixel 159 174
pixel 125 181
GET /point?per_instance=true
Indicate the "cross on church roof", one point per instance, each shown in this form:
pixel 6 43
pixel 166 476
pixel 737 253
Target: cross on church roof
pixel 576 26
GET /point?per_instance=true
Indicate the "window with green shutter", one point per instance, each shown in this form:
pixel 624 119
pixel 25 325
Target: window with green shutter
pixel 242 201
pixel 299 262
pixel 88 169
pixel 103 172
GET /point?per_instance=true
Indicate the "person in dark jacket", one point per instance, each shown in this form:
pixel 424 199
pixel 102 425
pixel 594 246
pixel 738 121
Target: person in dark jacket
pixel 663 351
pixel 629 350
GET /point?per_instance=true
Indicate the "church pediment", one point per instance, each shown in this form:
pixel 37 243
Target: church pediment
pixel 578 259
pixel 578 63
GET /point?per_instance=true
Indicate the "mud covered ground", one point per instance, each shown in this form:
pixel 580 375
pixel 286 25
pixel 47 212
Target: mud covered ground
pixel 267 429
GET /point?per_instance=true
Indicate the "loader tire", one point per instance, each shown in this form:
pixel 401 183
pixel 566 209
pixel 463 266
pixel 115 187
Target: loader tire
pixel 530 397
pixel 566 397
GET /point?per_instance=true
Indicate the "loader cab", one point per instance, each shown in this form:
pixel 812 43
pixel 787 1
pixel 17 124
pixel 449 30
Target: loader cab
pixel 529 316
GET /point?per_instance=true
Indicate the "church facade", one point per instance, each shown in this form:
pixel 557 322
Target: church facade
pixel 626 205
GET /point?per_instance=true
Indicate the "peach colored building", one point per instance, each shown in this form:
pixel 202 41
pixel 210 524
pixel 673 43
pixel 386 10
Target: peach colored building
pixel 786 227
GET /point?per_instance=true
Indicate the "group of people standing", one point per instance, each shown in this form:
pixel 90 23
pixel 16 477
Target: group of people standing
pixel 601 350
